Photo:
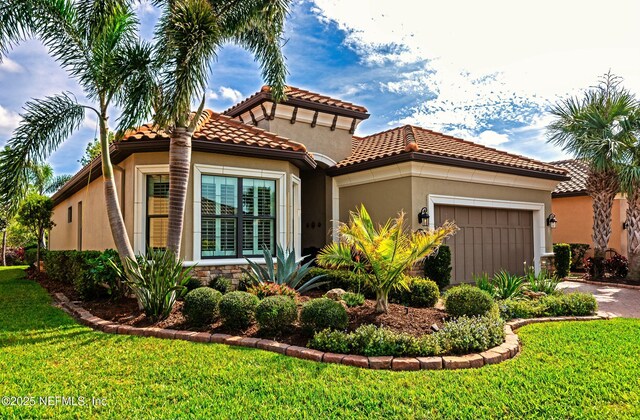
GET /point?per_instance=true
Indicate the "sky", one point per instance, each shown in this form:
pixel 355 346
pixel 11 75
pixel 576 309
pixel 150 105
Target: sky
pixel 484 71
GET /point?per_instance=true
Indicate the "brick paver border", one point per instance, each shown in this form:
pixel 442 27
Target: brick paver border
pixel 505 351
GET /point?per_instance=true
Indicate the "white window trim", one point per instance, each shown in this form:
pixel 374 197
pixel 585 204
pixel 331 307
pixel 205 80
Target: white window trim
pixel 539 226
pixel 140 204
pixel 281 208
pixel 295 209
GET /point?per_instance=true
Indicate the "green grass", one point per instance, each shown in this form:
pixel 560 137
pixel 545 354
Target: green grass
pixel 567 370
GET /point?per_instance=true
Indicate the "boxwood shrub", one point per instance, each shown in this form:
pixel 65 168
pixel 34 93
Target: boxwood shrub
pixel 323 313
pixel 438 267
pixel 276 313
pixel 571 304
pixel 201 305
pixel 466 300
pixel 237 309
pixel 221 284
pixel 562 259
pixel 423 293
pixel 460 336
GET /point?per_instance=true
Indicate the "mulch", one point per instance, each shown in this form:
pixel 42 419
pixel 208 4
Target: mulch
pixel 399 318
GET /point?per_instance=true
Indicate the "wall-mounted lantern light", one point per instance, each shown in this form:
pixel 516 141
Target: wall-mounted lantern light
pixel 625 225
pixel 423 217
pixel 552 222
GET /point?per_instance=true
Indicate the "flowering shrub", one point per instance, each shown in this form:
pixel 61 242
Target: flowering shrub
pixel 262 290
pixel 617 266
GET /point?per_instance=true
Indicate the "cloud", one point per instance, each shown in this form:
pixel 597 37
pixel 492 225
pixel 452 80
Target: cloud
pixel 144 7
pixel 212 95
pixel 230 94
pixel 486 67
pixel 10 66
pixel 9 120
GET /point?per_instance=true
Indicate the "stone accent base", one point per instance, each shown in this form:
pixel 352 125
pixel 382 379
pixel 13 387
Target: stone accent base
pixel 207 273
pixel 509 349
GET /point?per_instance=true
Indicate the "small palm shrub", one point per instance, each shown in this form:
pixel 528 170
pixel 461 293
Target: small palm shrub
pixel 385 252
pixel 288 271
pixel 319 314
pixel 263 290
pixel 466 300
pixel 221 284
pixel 237 309
pixel 276 313
pixel 201 305
pixel 353 299
pixel 156 280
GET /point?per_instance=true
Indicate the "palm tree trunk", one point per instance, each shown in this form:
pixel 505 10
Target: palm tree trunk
pixel 382 301
pixel 179 168
pixel 602 187
pixel 4 248
pixel 114 213
pixel 633 234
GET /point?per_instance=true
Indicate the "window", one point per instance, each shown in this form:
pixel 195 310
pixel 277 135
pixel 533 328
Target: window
pixel 69 214
pixel 157 210
pixel 238 216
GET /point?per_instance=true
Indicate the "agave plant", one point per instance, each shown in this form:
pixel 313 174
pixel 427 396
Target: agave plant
pixel 544 281
pixel 483 282
pixel 288 271
pixel 507 285
pixel 156 280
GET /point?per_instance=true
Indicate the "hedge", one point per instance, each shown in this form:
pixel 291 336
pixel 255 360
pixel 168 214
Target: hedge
pixel 563 259
pixel 437 267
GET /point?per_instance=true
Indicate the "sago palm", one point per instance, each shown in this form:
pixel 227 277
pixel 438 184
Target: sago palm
pixel 596 128
pixel 385 252
pixel 189 34
pixel 97 43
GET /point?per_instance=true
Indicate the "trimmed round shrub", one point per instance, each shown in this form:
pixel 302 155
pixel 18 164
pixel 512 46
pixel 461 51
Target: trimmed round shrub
pixel 221 284
pixel 319 314
pixel 238 309
pixel 466 300
pixel 424 293
pixel 276 313
pixel 201 305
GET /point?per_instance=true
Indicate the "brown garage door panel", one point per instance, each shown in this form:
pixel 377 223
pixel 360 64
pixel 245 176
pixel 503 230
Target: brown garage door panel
pixel 488 240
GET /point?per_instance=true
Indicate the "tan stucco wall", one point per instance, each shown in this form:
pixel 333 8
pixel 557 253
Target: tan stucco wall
pixel 384 199
pixel 575 222
pixel 96 231
pixel 335 144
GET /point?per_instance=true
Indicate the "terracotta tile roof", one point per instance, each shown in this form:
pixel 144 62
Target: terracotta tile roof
pixel 220 128
pixel 298 94
pixel 410 138
pixel 578 170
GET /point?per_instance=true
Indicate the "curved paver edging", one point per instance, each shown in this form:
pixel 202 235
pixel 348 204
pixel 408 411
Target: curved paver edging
pixel 505 351
pixel 602 283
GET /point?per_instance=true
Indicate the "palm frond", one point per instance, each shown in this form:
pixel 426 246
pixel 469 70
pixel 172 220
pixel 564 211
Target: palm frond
pixel 56 183
pixel 45 124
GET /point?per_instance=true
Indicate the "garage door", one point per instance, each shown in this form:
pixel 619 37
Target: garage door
pixel 488 240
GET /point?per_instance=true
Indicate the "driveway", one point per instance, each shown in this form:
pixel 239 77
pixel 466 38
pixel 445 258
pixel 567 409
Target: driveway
pixel 615 301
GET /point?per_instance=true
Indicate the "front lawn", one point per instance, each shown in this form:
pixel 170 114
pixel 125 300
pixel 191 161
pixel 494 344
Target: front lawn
pixel 566 370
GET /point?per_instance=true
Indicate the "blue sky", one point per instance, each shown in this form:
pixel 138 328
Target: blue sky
pixel 484 71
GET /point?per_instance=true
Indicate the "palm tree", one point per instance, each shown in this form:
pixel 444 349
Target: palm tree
pixel 597 129
pixel 96 42
pixel 188 35
pixel 629 170
pixel 385 252
pixel 43 181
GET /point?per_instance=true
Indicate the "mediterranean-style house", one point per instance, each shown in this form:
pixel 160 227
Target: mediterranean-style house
pixel 572 205
pixel 288 173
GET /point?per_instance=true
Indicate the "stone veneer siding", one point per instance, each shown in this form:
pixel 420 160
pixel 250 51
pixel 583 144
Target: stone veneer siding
pixel 233 272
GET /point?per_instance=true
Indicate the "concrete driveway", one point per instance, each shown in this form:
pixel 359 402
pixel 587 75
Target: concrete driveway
pixel 614 301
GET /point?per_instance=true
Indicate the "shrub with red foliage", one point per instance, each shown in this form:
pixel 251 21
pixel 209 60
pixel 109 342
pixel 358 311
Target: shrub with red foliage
pixel 262 290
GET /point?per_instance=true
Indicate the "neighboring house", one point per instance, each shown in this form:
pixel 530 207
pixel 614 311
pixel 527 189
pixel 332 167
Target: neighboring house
pixel 290 172
pixel 574 210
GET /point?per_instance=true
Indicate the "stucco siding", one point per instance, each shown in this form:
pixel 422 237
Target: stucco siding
pixel 382 199
pixel 575 222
